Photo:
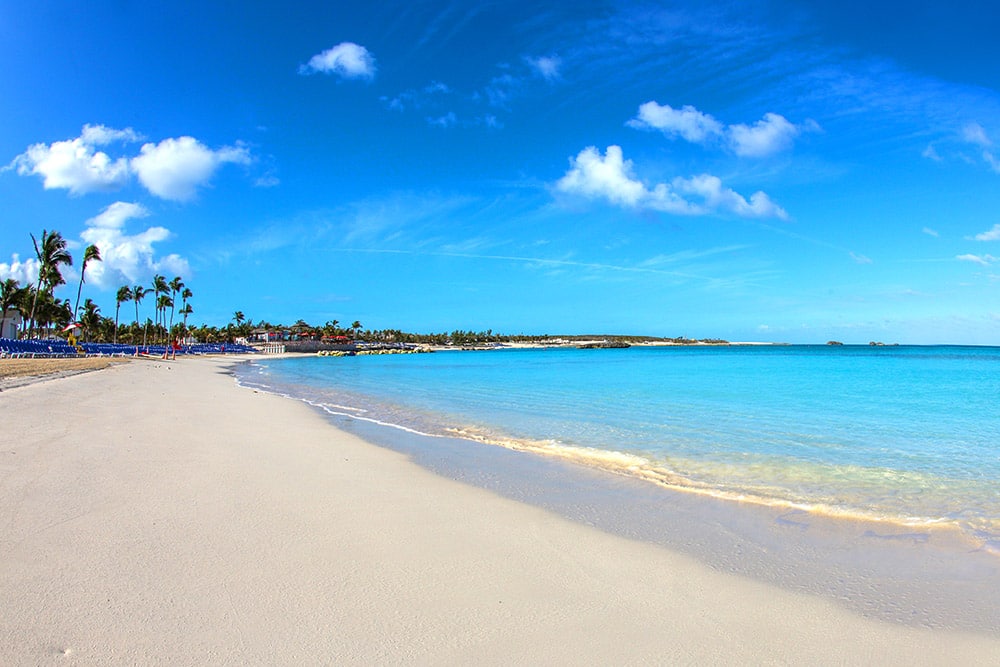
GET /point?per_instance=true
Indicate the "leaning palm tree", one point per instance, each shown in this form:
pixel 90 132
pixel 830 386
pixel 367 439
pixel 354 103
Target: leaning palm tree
pixel 138 292
pixel 91 254
pixel 175 286
pixel 51 253
pixel 124 294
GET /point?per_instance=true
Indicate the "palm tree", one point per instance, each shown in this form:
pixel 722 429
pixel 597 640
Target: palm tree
pixel 91 254
pixel 49 310
pixel 175 286
pixel 185 311
pixel 159 288
pixel 91 318
pixel 51 253
pixel 185 308
pixel 124 294
pixel 355 327
pixel 11 294
pixel 138 292
pixel 162 303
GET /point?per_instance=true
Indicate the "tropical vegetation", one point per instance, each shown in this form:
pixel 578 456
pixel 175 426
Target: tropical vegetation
pixel 46 315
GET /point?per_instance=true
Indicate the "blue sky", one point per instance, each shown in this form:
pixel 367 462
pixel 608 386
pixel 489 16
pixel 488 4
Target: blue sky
pixel 748 170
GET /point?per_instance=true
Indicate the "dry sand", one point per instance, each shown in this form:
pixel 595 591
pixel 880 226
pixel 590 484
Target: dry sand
pixel 156 513
pixel 37 367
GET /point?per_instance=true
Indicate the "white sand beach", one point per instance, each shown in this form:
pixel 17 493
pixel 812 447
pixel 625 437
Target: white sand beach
pixel 156 513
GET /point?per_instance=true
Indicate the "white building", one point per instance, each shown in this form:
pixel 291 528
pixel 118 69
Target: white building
pixel 11 323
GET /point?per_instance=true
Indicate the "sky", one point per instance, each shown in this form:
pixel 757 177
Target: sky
pixel 767 170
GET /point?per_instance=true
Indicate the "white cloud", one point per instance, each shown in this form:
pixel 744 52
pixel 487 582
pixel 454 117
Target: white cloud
pixel 982 260
pixel 717 197
pixel 546 66
pixel 931 154
pixel 990 235
pixel 608 178
pixel 175 168
pixel 860 259
pixel 127 259
pixel 930 232
pixel 116 215
pixel 25 272
pixel 686 122
pixel 767 136
pixel 347 59
pixel 611 178
pixel 75 164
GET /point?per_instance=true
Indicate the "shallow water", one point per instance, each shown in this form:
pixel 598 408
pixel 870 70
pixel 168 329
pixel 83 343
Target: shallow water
pixel 906 435
pixel 938 571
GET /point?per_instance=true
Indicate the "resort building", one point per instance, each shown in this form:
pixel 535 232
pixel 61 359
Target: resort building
pixel 11 323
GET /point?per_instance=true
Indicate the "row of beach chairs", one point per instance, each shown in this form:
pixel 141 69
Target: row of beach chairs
pixel 56 347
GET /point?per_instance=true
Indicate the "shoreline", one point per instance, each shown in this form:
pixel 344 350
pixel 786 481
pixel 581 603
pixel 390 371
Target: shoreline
pixel 781 544
pixel 164 514
pixel 968 533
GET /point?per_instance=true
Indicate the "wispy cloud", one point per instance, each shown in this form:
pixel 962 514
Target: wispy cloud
pixel 447 120
pixel 971 135
pixel 546 67
pixel 975 135
pixel 612 178
pixel 478 107
pixel 982 260
pixel 542 262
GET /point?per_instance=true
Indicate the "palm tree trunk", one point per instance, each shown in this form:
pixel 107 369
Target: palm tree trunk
pixel 79 290
pixel 34 303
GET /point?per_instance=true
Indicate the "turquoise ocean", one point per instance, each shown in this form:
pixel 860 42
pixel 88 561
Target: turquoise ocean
pixel 899 434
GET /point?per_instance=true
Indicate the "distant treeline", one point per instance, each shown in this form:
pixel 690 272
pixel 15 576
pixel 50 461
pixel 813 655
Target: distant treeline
pixel 333 332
